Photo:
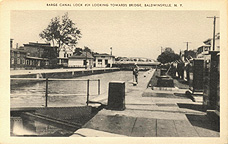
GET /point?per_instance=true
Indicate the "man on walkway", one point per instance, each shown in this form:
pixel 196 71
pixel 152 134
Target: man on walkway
pixel 135 73
pixel 180 69
pixel 187 68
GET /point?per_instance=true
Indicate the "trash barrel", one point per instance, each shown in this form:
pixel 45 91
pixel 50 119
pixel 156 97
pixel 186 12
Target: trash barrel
pixel 163 72
pixel 116 95
pixel 164 81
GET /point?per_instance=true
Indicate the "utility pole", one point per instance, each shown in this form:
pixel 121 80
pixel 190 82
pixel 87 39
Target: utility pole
pixel 86 61
pixel 111 50
pixel 187 44
pixel 86 57
pixel 213 31
pixel 111 58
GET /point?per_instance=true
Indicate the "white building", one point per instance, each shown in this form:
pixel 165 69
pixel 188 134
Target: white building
pixel 83 60
pixel 64 53
pixel 204 50
pixel 103 60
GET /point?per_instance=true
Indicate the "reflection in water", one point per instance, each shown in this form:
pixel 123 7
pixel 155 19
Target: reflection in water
pixel 27 127
pixel 64 93
pixel 17 127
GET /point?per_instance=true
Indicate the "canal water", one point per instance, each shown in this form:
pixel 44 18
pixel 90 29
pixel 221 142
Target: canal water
pixel 60 94
pixel 64 93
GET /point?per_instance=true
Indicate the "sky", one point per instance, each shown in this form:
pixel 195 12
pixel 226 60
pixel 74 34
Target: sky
pixel 130 33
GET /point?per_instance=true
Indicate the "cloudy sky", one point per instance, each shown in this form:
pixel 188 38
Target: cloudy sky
pixel 130 33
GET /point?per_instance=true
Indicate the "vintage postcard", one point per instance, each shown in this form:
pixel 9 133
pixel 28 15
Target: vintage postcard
pixel 113 71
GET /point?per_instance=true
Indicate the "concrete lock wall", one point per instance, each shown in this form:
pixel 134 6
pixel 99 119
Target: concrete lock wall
pixel 116 95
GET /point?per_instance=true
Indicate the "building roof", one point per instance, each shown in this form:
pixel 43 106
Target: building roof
pixel 84 55
pixel 43 45
pixel 36 58
pixel 103 54
pixel 204 46
pixel 208 41
pixel 18 50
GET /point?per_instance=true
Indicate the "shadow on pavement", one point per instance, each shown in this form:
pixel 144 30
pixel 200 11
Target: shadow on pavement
pixel 202 121
pixel 181 84
pixel 196 107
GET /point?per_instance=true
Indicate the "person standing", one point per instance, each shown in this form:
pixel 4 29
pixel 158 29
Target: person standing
pixel 182 70
pixel 135 73
pixel 187 68
pixel 179 69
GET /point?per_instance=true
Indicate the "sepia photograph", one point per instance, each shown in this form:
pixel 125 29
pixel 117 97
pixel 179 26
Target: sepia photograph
pixel 121 72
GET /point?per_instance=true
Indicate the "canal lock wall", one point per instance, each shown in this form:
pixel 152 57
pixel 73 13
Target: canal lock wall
pixel 61 75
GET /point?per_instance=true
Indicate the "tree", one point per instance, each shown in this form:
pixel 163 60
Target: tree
pixel 62 32
pixel 189 54
pixel 87 49
pixel 168 56
pixel 78 51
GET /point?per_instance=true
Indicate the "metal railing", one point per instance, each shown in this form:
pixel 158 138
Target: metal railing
pixel 53 79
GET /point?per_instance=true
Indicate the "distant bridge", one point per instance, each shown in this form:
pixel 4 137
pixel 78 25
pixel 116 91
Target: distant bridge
pixel 130 64
pixel 137 62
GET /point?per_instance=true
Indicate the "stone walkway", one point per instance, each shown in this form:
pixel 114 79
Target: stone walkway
pixel 151 113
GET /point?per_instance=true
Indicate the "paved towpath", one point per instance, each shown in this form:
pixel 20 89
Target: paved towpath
pixel 151 113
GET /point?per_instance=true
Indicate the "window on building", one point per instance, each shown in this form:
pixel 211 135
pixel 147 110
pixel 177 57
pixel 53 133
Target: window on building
pixel 84 62
pixel 99 61
pixel 18 54
pixel 106 62
pixel 27 62
pixel 12 60
pixel 30 62
pixel 18 61
pixel 23 61
pixel 38 63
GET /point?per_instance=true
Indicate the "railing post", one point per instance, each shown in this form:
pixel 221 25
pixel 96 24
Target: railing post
pixel 87 101
pixel 99 87
pixel 46 93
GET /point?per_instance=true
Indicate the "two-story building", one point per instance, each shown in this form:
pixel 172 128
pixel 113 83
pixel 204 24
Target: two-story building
pixel 208 46
pixel 203 50
pixel 18 58
pixel 217 42
pixel 40 55
pixel 32 56
pixel 64 53
pixel 103 60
